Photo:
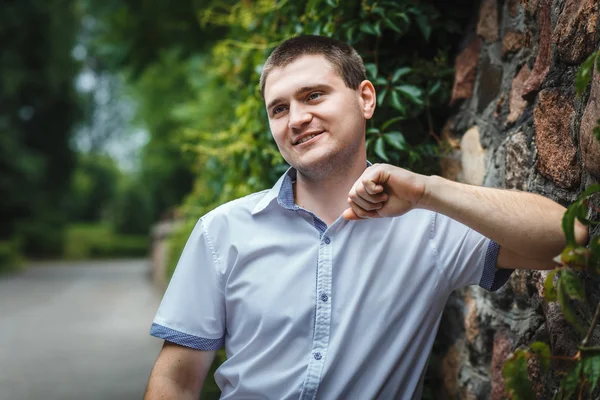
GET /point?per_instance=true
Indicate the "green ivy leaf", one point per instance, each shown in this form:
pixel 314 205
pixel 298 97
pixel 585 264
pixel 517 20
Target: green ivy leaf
pixel 568 224
pixel 542 351
pixel 399 73
pixel 396 140
pixel 390 121
pixel 332 3
pixel 570 383
pixel 436 86
pixel 397 103
pixel 392 25
pixel 380 81
pixel 377 28
pixel 371 69
pixel 584 74
pixel 368 28
pixel 381 96
pixel 516 378
pixel 412 92
pixel 567 309
pixel 372 131
pixel 591 368
pixel 368 143
pixel 380 149
pixel 595 254
pixel 549 289
pixel 424 26
pixel 572 285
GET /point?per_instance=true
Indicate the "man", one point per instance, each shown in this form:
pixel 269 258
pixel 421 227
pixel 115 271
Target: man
pixel 331 285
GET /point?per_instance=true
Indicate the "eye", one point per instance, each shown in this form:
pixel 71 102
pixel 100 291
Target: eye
pixel 278 109
pixel 314 96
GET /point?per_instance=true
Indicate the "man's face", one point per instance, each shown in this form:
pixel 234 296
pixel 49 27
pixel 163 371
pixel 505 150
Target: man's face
pixel 316 120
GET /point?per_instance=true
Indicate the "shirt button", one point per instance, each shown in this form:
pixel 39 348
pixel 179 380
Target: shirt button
pixel 324 297
pixel 318 356
pixel 327 240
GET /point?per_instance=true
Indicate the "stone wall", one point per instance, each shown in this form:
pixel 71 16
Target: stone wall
pixel 518 125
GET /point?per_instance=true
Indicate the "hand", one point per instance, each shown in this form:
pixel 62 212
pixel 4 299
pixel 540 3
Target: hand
pixel 384 191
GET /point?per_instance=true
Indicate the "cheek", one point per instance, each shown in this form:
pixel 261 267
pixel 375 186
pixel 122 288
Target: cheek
pixel 278 130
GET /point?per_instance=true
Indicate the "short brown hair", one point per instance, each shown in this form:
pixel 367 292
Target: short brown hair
pixel 345 60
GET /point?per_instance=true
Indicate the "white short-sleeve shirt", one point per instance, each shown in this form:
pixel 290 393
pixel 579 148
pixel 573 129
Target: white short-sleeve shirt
pixel 310 311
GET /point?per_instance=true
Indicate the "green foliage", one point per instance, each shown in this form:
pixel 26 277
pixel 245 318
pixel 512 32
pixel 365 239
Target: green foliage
pixel 94 187
pixel 132 212
pixel 90 241
pixel 585 372
pixel 515 376
pixel 10 257
pixel 39 109
pixel 542 352
pixel 584 74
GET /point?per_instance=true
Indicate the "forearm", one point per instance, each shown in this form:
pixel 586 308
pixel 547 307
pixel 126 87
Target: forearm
pixel 163 388
pixel 526 223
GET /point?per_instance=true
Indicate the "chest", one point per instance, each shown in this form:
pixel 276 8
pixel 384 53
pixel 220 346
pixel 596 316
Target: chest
pixel 296 279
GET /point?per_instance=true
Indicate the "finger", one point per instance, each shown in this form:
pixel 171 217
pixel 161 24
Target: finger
pixel 364 204
pixel 371 198
pixel 371 187
pixel 361 212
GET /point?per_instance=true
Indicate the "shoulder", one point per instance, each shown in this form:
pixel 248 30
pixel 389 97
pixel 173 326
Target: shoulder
pixel 233 214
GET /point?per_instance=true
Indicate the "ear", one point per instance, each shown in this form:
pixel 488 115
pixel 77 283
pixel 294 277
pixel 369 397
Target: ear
pixel 367 98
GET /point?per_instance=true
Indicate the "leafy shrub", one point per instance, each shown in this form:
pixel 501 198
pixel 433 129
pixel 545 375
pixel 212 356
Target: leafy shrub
pixel 10 258
pixel 100 241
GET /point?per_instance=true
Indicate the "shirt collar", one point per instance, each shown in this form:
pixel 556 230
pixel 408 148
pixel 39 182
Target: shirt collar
pixel 283 191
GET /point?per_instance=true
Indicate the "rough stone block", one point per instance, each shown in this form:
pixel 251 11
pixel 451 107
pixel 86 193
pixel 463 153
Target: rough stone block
pixel 575 31
pixel 471 319
pixel 556 150
pixel 513 7
pixel 490 81
pixel 450 367
pixel 517 102
pixel 517 162
pixel 589 145
pixel 544 56
pixel 487 27
pixel 472 158
pixel 501 351
pixel 466 70
pixel 532 6
pixel 513 41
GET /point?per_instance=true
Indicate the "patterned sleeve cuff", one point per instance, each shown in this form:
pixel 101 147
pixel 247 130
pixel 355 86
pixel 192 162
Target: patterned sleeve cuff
pixel 183 339
pixel 493 278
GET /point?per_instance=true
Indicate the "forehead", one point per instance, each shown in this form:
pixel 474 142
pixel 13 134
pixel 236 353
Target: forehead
pixel 308 70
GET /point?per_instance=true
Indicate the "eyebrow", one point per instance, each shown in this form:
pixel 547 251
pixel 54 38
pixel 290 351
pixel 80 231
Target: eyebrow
pixel 298 92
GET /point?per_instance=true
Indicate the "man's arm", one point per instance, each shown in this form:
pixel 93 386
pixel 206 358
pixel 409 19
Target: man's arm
pixel 526 226
pixel 178 373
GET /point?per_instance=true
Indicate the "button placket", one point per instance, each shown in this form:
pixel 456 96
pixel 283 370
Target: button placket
pixel 322 320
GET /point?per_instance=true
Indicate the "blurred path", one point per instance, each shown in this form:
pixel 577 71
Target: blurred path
pixel 77 331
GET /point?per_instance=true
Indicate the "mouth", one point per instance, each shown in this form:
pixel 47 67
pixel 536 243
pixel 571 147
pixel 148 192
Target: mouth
pixel 306 138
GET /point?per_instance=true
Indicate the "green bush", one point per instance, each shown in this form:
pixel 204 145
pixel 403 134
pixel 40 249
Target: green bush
pixel 10 257
pixel 100 241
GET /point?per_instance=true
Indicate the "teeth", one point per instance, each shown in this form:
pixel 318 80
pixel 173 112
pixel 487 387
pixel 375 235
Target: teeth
pixel 305 139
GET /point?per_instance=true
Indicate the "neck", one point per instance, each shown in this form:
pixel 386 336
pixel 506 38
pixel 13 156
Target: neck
pixel 327 197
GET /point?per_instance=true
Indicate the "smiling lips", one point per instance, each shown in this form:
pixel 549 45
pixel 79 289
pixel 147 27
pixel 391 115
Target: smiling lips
pixel 306 138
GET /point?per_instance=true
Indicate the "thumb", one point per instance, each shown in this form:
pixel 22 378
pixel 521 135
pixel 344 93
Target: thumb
pixel 350 215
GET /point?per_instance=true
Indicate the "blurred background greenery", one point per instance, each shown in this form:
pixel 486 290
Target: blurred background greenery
pixel 115 115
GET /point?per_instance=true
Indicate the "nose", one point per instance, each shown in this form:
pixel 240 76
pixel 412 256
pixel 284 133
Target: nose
pixel 298 117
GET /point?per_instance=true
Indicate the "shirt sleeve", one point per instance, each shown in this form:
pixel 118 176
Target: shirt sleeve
pixel 466 257
pixel 192 311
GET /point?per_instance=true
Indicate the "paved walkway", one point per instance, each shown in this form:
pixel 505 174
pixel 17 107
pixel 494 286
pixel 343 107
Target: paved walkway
pixel 77 331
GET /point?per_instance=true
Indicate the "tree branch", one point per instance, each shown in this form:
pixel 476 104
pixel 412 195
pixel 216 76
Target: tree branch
pixel 592 326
